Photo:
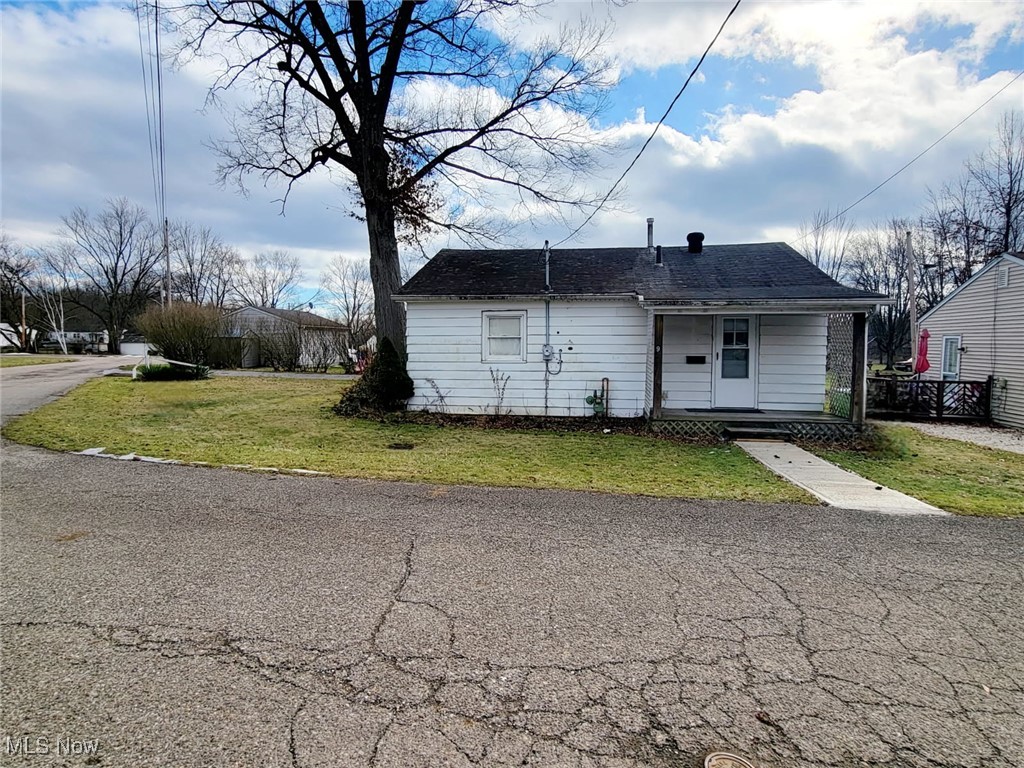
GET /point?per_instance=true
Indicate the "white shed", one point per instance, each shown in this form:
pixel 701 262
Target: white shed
pixel 977 331
pixel 690 333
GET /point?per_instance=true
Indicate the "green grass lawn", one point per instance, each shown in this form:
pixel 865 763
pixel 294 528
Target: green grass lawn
pixel 286 423
pixel 334 369
pixel 16 361
pixel 951 474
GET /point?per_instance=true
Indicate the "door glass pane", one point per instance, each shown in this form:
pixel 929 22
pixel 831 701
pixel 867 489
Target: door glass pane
pixel 950 358
pixel 735 363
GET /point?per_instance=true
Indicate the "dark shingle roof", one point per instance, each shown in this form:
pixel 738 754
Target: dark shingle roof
pixel 754 271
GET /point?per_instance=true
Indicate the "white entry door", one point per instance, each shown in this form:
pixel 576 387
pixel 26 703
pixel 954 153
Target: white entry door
pixel 735 367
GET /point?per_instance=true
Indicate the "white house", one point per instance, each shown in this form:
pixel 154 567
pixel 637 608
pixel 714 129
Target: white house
pixel 714 334
pixel 977 331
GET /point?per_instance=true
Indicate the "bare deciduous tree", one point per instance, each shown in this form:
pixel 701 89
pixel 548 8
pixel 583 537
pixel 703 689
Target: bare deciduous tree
pixel 348 289
pixel 878 262
pixel 824 240
pixel 268 279
pixel 203 266
pixel 108 264
pixel 957 238
pixel 48 294
pixel 976 216
pixel 17 270
pixel 400 96
pixel 998 174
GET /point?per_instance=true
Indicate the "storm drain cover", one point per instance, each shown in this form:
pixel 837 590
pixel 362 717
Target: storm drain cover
pixel 726 760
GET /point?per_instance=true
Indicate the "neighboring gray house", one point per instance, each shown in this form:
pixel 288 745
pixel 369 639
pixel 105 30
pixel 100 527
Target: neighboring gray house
pixel 719 333
pixel 978 331
pixel 269 336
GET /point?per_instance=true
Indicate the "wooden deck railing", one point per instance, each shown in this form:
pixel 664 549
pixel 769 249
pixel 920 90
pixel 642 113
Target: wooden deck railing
pixel 889 397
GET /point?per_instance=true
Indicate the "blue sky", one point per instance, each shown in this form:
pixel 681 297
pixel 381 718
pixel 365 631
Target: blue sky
pixel 722 82
pixel 801 105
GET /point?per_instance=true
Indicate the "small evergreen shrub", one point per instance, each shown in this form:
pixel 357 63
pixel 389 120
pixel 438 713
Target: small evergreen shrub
pixel 384 387
pixel 172 373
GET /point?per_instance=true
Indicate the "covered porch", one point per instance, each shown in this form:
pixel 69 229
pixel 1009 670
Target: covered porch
pixel 758 371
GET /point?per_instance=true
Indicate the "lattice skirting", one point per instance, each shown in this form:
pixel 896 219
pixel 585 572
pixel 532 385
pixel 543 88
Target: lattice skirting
pixel 827 432
pixel 690 430
pixel 817 431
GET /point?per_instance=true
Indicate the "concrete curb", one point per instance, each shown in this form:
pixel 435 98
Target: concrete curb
pixel 100 453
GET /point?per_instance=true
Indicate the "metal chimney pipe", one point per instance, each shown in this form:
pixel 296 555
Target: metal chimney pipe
pixel 657 257
pixel 650 233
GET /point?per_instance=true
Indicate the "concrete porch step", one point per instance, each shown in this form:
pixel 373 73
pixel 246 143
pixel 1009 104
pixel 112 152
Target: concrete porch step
pixel 744 432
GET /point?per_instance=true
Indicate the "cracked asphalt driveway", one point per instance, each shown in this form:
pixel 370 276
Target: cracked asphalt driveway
pixel 185 617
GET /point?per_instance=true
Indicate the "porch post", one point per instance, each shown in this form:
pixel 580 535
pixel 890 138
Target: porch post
pixel 659 335
pixel 858 394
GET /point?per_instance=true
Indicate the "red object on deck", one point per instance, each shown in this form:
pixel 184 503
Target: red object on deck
pixel 922 363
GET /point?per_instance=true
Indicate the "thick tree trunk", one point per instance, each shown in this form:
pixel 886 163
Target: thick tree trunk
pixel 385 271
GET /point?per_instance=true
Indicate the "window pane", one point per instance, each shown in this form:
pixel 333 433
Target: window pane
pixel 735 363
pixel 741 339
pixel 741 324
pixel 504 326
pixel 506 347
pixel 729 324
pixel 728 338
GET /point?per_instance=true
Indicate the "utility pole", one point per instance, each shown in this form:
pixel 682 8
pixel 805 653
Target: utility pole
pixel 912 283
pixel 23 347
pixel 167 263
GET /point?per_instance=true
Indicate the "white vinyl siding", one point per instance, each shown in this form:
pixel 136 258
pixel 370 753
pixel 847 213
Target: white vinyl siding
pixel 791 369
pixel 597 339
pixel 687 385
pixel 990 323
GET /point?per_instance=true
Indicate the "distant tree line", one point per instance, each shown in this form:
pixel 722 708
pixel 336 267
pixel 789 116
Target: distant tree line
pixel 104 269
pixel 970 220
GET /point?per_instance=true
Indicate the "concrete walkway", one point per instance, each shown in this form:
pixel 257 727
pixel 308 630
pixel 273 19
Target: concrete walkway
pixel 834 486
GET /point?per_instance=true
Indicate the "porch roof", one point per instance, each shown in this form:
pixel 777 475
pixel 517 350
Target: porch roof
pixel 737 273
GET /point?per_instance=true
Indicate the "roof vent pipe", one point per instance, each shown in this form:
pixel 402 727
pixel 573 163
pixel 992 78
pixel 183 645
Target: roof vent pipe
pixel 547 267
pixel 650 234
pixel 657 256
pixel 695 242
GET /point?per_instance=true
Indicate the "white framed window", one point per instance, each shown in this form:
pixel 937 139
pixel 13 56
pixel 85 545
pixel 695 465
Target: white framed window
pixel 504 336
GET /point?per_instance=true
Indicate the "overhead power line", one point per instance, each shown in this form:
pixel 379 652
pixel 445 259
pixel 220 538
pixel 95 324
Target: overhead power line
pixel 650 138
pixel 153 88
pixel 917 157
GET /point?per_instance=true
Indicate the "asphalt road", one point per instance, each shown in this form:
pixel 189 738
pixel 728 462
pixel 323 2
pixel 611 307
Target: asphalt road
pixel 28 386
pixel 174 616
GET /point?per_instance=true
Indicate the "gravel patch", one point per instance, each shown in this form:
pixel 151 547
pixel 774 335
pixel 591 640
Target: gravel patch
pixel 1003 438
